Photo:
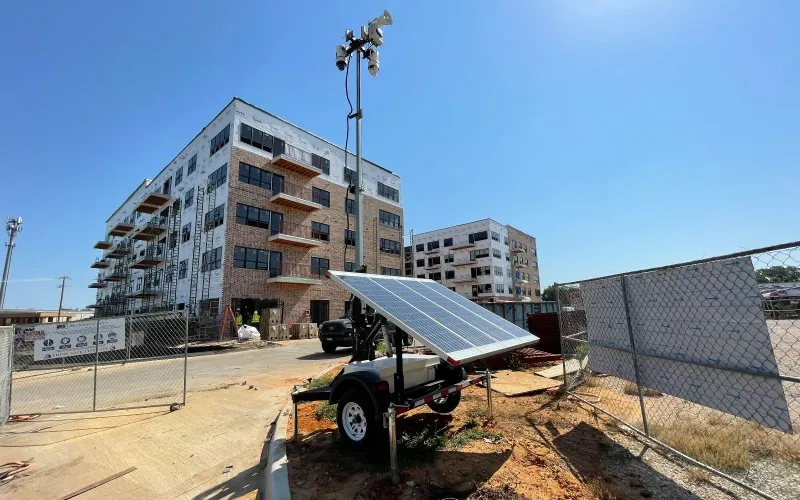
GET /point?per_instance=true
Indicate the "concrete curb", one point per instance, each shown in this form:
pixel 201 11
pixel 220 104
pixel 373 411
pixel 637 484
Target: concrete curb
pixel 277 471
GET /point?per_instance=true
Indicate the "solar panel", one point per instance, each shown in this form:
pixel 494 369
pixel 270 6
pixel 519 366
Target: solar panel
pixel 455 328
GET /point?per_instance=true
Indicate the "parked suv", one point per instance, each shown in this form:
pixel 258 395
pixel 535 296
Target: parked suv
pixel 339 333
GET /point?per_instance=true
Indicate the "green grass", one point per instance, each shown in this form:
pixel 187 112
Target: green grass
pixel 326 412
pixel 320 382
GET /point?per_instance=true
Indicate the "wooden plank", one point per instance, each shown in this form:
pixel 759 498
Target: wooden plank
pixel 98 483
pixel 511 383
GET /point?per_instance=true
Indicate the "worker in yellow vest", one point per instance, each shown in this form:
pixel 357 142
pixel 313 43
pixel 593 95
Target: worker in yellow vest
pixel 238 318
pixel 256 320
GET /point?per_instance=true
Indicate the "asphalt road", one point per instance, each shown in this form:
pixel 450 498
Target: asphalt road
pixel 157 382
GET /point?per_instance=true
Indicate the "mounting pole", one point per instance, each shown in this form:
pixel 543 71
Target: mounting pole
pixel 13 226
pixel 359 185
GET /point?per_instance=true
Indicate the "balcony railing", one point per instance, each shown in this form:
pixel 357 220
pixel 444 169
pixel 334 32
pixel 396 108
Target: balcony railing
pixel 153 256
pixel 99 283
pixel 153 229
pixel 296 160
pixel 464 242
pixel 463 262
pixel 291 272
pixel 100 264
pixel 296 234
pixel 121 249
pixel 296 196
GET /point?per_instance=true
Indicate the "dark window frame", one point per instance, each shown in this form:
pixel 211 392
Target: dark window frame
pixel 317 267
pixel 388 192
pixel 388 218
pixel 321 196
pixel 320 231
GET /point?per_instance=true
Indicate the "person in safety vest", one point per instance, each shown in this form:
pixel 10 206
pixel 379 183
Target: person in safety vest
pixel 238 318
pixel 256 319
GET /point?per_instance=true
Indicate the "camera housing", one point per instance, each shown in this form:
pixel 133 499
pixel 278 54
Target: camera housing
pixel 341 57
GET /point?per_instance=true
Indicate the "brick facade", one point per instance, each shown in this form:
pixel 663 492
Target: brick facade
pixel 296 298
pixel 532 267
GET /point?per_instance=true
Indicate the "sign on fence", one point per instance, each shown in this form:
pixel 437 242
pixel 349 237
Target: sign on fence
pixel 60 340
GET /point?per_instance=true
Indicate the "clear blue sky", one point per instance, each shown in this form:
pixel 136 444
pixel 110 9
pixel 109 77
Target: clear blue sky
pixel 622 134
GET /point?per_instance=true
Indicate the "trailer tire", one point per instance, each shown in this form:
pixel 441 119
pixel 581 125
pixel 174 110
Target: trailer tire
pixel 355 417
pixel 329 348
pixel 446 404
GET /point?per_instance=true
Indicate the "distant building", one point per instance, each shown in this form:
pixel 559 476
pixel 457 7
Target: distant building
pixel 408 261
pixel 477 260
pixel 26 316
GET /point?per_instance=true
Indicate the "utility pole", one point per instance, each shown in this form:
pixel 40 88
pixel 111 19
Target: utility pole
pixel 364 47
pixel 62 286
pixel 13 226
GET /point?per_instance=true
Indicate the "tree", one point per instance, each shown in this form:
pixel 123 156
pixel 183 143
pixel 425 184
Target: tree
pixel 549 294
pixel 778 274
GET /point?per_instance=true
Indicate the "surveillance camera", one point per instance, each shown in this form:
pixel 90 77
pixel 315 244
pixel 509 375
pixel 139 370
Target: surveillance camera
pixel 374 30
pixel 341 57
pixel 374 64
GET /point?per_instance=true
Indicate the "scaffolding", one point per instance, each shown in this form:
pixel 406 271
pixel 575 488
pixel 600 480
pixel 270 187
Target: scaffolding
pixel 198 235
pixel 173 255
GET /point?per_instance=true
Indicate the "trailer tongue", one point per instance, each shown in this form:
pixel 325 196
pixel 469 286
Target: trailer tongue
pixel 370 392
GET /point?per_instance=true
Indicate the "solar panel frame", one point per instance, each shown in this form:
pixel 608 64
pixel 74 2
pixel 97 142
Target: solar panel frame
pixel 447 342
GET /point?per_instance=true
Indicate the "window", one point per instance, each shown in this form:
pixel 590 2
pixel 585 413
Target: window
pixel 435 276
pixel 192 165
pixel 537 292
pixel 350 206
pixel 388 218
pixel 350 267
pixel 320 231
pixel 261 140
pixel 533 251
pixel 498 271
pixel 510 290
pixel 221 139
pixel 250 258
pixel 321 196
pixel 186 233
pixel 260 178
pixel 258 217
pixel 507 258
pixel 211 260
pixel 495 236
pixel 499 288
pixel 214 218
pixel 388 192
pixel 505 240
pixel 138 283
pixel 421 276
pixel 481 271
pixel 497 254
pixel 478 254
pixel 319 266
pixel 183 268
pixel 448 242
pixel 390 271
pixel 390 246
pixel 350 176
pixel 476 289
pixel 350 237
pixel 433 245
pixel 450 275
pixel 167 189
pixel 420 247
pixel 188 198
pixel 508 272
pixel 480 236
pixel 321 163
pixel 179 175
pixel 420 262
pixel 218 177
pixel 448 258
pixel 434 261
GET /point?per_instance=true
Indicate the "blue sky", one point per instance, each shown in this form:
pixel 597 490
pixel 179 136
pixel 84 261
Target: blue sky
pixel 622 134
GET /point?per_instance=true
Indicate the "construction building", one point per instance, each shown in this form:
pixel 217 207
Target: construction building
pixel 482 260
pixel 251 213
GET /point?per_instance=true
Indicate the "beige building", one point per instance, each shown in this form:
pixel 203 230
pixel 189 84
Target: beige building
pixel 27 316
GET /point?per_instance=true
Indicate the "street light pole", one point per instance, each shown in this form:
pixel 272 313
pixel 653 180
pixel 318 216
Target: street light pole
pixel 13 226
pixel 62 286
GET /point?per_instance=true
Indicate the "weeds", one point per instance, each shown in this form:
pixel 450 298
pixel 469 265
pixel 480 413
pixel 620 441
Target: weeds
pixel 592 382
pixel 380 347
pixel 320 382
pixel 602 490
pixel 422 445
pixel 696 476
pixel 630 390
pixel 515 363
pixel 325 411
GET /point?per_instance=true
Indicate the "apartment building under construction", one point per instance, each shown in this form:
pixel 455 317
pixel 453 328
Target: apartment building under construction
pixel 251 213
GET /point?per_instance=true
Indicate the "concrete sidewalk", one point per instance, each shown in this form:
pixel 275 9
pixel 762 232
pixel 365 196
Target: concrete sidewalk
pixel 183 454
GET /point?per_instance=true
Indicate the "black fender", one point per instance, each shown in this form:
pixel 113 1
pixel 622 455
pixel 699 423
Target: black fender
pixel 368 382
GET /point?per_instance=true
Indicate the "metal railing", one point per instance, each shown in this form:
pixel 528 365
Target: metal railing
pixel 296 190
pixel 292 229
pixel 701 358
pixel 297 154
pixel 297 270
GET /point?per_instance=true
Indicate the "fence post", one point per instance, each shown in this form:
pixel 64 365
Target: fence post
pixel 561 336
pixel 185 354
pixel 624 284
pixel 96 360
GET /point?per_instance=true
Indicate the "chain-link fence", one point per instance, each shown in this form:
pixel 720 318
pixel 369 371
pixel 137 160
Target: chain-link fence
pixel 702 357
pixel 6 354
pixel 100 364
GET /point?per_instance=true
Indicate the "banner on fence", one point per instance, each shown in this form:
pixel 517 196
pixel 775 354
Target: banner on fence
pixel 60 340
pixel 715 308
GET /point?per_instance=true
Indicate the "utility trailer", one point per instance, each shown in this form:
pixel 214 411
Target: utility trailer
pixel 370 392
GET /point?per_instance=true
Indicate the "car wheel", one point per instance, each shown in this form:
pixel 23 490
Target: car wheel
pixel 329 348
pixel 446 404
pixel 355 418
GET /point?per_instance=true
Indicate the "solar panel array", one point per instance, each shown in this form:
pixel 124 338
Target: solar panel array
pixel 455 328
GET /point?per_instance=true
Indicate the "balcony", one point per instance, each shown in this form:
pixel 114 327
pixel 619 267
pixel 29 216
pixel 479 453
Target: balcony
pixel 152 230
pixel 103 245
pixel 517 250
pixel 296 160
pixel 299 274
pixel 152 203
pixel 296 196
pixel 99 283
pixel 433 266
pixel 120 250
pixel 153 256
pixel 100 264
pixel 294 234
pixel 147 291
pixel 463 279
pixel 117 274
pixel 462 243
pixel 121 229
pixel 462 262
pixel 432 251
pixel 519 265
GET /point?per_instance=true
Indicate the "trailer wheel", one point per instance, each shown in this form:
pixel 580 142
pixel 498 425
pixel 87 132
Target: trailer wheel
pixel 356 418
pixel 329 348
pixel 446 404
